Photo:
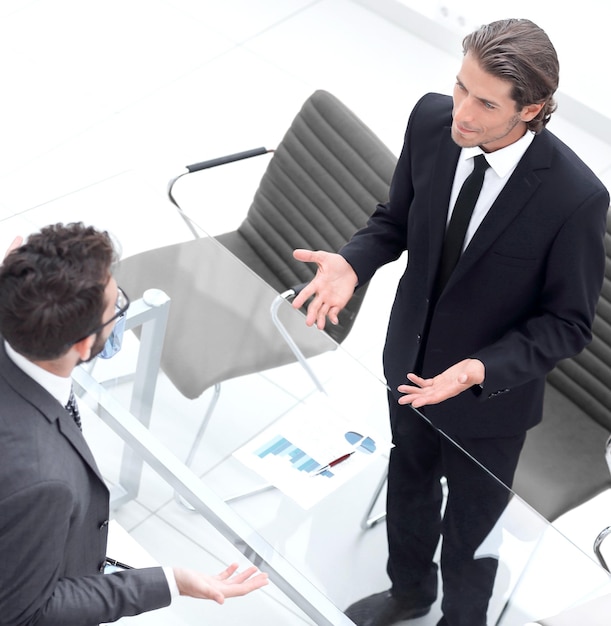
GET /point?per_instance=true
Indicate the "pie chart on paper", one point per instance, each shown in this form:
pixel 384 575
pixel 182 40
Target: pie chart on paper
pixel 360 442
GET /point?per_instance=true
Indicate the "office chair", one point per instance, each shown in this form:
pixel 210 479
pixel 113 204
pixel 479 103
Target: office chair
pixel 320 186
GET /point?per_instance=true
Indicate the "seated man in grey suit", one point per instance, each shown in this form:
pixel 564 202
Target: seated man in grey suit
pixel 57 308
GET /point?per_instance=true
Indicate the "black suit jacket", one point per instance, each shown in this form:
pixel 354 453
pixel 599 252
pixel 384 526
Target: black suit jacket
pixel 54 517
pixel 524 292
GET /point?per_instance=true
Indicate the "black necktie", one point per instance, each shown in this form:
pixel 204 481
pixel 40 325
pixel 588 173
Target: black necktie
pixel 461 216
pixel 72 408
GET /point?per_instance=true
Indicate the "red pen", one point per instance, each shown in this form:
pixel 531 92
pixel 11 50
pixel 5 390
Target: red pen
pixel 333 463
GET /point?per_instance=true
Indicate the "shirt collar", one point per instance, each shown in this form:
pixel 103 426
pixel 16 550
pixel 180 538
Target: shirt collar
pixel 504 160
pixel 58 386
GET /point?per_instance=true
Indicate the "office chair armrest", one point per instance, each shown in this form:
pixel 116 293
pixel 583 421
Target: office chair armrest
pixel 230 158
pixel 602 535
pixel 293 292
pixel 205 165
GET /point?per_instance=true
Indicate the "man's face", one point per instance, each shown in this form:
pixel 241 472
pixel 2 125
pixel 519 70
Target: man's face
pixel 110 298
pixel 484 114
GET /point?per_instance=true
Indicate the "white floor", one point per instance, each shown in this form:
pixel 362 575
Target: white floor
pixel 103 103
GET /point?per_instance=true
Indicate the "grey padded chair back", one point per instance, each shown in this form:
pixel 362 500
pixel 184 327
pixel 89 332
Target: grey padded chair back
pixel 320 187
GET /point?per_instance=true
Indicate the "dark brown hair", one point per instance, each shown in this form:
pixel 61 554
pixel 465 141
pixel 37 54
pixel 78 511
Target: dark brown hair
pixel 52 289
pixel 520 52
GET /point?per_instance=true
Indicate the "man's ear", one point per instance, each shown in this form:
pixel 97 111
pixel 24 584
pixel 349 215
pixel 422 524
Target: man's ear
pixel 531 111
pixel 83 347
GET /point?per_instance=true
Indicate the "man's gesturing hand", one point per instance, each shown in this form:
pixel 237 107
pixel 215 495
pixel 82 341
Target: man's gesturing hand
pixel 227 584
pixel 14 245
pixel 448 384
pixel 332 287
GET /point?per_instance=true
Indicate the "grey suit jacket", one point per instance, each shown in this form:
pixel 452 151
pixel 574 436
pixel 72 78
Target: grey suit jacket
pixel 54 518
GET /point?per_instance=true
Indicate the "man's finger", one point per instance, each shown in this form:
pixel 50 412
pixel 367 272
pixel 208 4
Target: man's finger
pixel 303 295
pixel 16 243
pixel 307 256
pixel 421 382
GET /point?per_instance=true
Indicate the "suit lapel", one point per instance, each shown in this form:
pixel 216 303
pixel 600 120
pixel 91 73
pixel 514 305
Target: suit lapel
pixel 441 188
pixel 72 433
pixel 43 402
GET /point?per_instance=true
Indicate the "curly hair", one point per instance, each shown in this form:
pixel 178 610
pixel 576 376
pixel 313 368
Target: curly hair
pixel 52 289
pixel 518 51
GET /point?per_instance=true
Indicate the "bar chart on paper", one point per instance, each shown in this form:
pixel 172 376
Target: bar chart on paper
pixel 303 462
pixel 280 446
pixel 311 452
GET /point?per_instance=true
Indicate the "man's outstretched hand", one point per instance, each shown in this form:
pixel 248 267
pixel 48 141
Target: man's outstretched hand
pixel 14 245
pixel 448 384
pixel 332 286
pixel 228 584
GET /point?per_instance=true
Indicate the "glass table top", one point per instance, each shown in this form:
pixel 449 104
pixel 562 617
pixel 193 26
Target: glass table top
pixel 258 480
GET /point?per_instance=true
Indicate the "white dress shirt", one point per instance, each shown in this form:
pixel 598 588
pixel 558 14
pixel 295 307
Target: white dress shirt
pixel 502 164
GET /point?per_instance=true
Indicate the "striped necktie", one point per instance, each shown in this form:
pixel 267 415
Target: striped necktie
pixel 72 408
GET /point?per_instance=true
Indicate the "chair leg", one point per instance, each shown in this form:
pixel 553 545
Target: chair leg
pixel 195 446
pixel 370 521
pixel 204 424
pixel 278 300
pixel 198 438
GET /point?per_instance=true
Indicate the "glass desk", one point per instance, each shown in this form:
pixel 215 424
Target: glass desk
pixel 321 557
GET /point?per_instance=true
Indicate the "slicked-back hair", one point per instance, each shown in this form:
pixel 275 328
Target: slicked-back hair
pixel 518 51
pixel 52 289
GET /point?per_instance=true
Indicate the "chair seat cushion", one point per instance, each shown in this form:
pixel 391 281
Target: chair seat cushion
pixel 563 461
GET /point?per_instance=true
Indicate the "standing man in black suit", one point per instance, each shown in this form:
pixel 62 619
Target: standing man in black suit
pixel 475 336
pixel 58 305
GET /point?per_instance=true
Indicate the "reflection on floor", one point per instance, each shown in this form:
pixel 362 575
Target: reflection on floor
pixel 104 107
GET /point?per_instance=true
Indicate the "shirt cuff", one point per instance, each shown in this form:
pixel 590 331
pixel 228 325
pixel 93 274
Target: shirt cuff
pixel 169 574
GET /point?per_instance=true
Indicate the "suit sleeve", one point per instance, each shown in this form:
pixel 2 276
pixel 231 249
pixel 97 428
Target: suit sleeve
pixel 34 526
pixel 567 306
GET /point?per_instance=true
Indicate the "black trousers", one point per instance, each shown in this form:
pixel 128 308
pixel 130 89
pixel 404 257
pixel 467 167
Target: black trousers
pixel 421 456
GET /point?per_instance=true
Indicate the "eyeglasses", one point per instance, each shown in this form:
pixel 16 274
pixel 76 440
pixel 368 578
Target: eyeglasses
pixel 121 306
